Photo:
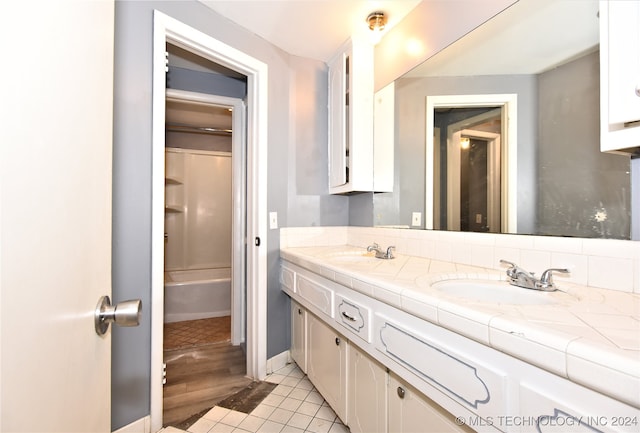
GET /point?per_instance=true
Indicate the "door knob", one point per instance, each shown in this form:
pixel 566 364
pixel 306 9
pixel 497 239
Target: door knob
pixel 126 313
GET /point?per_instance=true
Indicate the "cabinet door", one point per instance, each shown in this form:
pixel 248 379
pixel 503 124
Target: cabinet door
pixel 620 74
pixel 410 411
pixel 351 144
pixel 338 121
pixel 326 363
pixel 298 335
pixel 366 393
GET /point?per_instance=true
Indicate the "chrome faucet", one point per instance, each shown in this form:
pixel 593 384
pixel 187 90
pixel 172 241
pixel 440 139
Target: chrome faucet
pixel 521 278
pixel 381 254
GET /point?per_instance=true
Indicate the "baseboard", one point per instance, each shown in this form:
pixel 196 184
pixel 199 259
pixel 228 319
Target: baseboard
pixel 277 362
pixel 143 425
pixel 181 317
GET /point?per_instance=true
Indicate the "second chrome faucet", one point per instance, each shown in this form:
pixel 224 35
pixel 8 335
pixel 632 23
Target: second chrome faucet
pixel 380 253
pixel 521 278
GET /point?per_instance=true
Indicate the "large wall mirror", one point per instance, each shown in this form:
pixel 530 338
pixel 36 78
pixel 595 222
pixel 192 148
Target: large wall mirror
pixel 469 164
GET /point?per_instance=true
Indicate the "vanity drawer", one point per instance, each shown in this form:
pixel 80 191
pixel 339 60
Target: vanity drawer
pixel 316 294
pixel 551 401
pixel 480 389
pixel 287 279
pixel 353 316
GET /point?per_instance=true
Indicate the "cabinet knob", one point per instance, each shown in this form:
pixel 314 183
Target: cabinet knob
pixel 337 341
pixel 638 89
pixel 400 392
pixel 299 311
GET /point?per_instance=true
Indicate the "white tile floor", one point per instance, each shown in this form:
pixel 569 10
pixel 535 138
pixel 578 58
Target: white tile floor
pixel 294 406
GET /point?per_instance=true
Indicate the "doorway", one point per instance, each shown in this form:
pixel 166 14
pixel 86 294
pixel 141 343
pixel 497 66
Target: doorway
pixel 169 30
pixel 474 169
pixel 205 276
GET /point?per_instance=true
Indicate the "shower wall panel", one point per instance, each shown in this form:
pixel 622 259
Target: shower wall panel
pixel 198 203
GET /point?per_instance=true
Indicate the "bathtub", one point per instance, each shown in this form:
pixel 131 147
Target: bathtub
pixel 197 294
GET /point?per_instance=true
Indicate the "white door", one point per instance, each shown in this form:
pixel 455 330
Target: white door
pixel 55 214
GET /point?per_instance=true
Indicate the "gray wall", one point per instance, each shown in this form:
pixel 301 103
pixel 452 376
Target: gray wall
pixel 575 179
pixel 205 82
pixel 297 137
pixel 309 202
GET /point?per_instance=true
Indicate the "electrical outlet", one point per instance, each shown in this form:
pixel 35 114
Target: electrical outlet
pixel 416 219
pixel 478 218
pixel 273 220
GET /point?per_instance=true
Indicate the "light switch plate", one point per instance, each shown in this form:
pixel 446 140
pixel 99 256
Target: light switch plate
pixel 273 220
pixel 416 219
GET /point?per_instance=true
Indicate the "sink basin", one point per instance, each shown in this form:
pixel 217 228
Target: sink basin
pixel 498 292
pixel 354 256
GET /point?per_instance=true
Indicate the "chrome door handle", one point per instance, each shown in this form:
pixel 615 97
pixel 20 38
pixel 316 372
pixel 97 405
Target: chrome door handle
pixel 126 313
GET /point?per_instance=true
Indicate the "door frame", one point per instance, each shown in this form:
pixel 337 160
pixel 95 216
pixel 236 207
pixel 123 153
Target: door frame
pixel 509 159
pixel 167 29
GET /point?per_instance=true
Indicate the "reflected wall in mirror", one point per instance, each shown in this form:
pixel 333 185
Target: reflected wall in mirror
pixel 546 53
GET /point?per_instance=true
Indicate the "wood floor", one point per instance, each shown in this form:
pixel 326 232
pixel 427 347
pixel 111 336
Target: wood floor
pixel 199 377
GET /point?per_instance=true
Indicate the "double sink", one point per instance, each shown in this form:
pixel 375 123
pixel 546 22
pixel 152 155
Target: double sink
pixel 474 290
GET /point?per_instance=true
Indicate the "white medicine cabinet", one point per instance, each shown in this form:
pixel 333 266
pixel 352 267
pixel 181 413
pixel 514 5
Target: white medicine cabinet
pixel 359 160
pixel 620 76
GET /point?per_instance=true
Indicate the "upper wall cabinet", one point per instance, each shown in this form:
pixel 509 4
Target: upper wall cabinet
pixel 620 76
pixel 357 162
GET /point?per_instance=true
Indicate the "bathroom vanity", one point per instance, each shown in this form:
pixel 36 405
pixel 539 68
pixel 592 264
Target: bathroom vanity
pixel 397 345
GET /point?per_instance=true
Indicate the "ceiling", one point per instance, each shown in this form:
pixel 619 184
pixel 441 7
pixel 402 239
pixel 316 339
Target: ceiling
pixel 313 29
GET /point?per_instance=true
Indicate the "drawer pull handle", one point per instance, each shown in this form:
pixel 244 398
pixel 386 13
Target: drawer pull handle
pixel 349 318
pixel 400 392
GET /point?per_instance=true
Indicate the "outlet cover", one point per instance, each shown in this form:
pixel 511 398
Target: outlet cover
pixel 416 219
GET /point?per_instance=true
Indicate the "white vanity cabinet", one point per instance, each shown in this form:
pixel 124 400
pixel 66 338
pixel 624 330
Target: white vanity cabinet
pixel 383 369
pixel 366 393
pixel 352 149
pixel 620 76
pixel 327 363
pixel 411 411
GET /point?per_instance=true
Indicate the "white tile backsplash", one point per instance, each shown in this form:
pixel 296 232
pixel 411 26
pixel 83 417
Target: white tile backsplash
pixel 604 263
pixel 611 272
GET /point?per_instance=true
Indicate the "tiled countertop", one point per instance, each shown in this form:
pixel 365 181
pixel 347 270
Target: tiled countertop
pixel 590 336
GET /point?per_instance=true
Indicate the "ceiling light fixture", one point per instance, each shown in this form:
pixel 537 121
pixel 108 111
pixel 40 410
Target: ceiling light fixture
pixel 377 21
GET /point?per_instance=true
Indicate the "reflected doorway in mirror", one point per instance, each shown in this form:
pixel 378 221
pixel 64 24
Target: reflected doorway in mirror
pixel 492 205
